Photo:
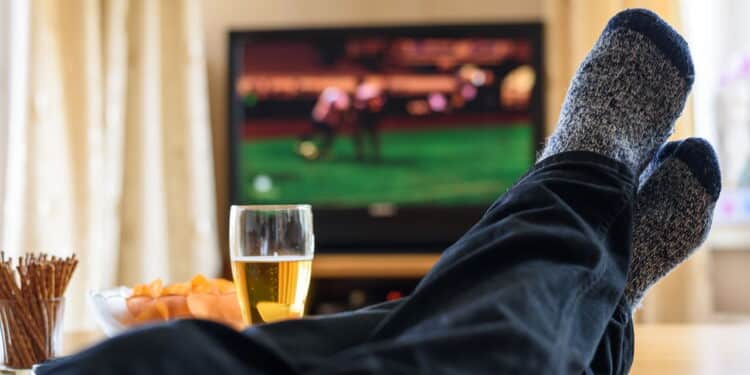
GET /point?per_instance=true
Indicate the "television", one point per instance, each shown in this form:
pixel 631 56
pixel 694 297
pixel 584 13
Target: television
pixel 399 137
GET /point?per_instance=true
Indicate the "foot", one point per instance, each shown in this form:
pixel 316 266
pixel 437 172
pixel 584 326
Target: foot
pixel 673 210
pixel 627 93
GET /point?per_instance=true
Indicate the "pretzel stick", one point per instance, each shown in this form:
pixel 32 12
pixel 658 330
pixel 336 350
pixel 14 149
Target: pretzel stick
pixel 26 273
pixel 14 350
pixel 19 352
pixel 16 330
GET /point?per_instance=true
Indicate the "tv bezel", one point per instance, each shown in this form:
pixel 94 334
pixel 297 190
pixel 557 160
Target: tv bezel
pixel 420 229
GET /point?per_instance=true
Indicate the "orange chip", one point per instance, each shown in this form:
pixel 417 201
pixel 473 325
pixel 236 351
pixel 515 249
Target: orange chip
pixel 156 288
pixel 201 297
pixel 174 307
pixel 148 314
pixel 222 308
pixel 179 289
pixel 224 286
pixel 162 309
pixel 200 284
pixel 152 289
pixel 138 304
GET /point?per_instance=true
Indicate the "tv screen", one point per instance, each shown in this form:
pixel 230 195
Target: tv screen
pixel 379 127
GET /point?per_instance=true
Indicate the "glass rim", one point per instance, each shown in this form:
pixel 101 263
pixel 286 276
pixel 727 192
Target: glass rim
pixel 271 207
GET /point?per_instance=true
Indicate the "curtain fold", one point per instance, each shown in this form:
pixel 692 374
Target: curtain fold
pixel 572 27
pixel 111 145
pixel 4 91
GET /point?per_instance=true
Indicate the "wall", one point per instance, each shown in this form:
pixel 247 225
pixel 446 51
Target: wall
pixel 220 16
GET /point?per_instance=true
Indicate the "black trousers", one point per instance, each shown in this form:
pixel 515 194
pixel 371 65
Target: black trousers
pixel 534 288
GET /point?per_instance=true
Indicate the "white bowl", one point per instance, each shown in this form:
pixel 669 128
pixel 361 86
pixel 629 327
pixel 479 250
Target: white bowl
pixel 110 309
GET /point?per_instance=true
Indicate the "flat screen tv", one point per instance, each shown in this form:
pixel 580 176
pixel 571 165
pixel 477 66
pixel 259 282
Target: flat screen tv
pixel 399 137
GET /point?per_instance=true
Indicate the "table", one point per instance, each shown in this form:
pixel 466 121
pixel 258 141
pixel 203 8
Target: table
pixel 687 349
pixel 76 341
pixel 663 349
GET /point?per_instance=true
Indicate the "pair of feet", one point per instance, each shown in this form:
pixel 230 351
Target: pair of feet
pixel 622 103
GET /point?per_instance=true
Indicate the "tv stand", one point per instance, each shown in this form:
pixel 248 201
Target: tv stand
pixel 347 281
pixel 349 266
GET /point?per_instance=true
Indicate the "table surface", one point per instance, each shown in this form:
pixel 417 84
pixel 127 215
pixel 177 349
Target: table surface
pixel 692 349
pixel 663 349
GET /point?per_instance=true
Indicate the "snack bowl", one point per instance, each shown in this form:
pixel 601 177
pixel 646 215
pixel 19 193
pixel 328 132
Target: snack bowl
pixel 120 308
pixel 110 309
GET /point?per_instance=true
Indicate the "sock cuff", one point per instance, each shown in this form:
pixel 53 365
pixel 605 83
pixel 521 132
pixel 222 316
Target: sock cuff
pixel 700 158
pixel 661 34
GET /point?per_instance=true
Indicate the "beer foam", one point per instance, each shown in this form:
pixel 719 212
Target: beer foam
pixel 271 258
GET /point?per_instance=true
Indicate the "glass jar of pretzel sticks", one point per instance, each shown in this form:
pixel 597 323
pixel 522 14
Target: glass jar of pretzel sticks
pixel 31 308
pixel 31 332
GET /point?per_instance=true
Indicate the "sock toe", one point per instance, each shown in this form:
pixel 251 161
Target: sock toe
pixel 661 34
pixel 701 158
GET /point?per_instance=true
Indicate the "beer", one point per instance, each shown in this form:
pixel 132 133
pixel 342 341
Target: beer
pixel 271 288
pixel 271 248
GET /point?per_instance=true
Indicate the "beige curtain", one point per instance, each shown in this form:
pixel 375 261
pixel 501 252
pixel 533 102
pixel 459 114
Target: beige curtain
pixel 5 39
pixel 572 28
pixel 108 144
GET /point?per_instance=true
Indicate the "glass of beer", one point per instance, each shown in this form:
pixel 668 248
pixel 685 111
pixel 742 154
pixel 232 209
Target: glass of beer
pixel 271 252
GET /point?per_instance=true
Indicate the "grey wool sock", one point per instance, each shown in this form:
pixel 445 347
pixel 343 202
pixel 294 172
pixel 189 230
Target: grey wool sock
pixel 627 93
pixel 673 210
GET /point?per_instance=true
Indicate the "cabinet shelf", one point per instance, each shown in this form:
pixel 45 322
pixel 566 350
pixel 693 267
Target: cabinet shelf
pixel 337 266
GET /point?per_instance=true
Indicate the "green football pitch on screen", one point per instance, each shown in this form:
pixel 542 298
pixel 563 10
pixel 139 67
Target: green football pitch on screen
pixel 466 165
